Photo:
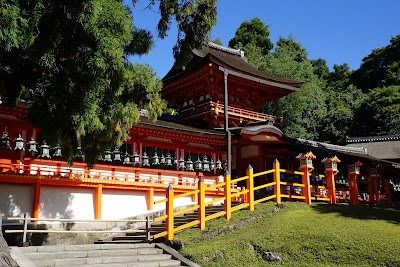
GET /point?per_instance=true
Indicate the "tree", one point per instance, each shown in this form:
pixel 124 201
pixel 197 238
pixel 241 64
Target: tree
pixel 340 120
pixel 320 68
pixel 253 32
pixel 383 108
pixel 69 58
pixel 380 68
pixel 339 78
pixel 304 110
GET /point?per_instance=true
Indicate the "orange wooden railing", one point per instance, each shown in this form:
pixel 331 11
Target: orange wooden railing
pixel 243 113
pixel 297 191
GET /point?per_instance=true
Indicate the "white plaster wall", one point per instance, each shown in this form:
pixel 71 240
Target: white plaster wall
pixel 15 200
pixel 78 203
pixel 119 204
pixel 182 201
pixel 66 202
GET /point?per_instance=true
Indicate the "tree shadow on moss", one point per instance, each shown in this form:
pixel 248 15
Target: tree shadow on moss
pixel 362 212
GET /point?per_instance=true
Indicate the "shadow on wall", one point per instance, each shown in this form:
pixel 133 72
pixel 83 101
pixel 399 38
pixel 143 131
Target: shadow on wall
pixel 15 200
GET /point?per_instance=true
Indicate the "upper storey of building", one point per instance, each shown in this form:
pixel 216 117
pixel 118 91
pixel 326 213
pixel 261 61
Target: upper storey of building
pixel 197 91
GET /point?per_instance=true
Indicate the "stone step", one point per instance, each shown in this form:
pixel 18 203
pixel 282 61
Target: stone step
pixel 140 264
pixel 88 247
pixel 129 237
pixel 91 254
pixel 139 260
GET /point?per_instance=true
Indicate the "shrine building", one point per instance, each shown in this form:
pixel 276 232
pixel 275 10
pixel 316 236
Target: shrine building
pixel 219 128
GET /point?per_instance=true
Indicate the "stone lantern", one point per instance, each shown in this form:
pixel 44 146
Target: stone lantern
pixel 331 164
pixel 355 168
pixel 306 160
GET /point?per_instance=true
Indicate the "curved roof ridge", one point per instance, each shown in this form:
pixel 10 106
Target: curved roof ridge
pixel 367 139
pixel 237 52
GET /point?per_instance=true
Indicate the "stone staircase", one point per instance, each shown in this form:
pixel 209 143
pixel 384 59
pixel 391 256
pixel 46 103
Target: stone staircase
pixel 158 227
pixel 113 255
pixel 123 250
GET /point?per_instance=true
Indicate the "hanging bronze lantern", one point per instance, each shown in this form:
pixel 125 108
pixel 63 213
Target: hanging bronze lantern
pixel 162 159
pixel 145 160
pixel 197 164
pixel 212 164
pixel 206 164
pixel 32 145
pixel 168 160
pixel 189 164
pixel 45 151
pixel 107 156
pixel 181 163
pixel 136 159
pixel 5 141
pixel 117 155
pixel 19 143
pixel 156 159
pixel 127 159
pixel 57 151
pixel 79 154
pixel 219 165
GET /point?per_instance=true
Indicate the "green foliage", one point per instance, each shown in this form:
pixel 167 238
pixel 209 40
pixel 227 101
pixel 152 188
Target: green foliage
pixel 253 32
pixel 320 68
pixel 383 107
pixel 195 19
pixel 342 105
pixel 303 110
pixel 339 78
pixel 69 60
pixel 217 41
pixel 306 235
pixel 380 68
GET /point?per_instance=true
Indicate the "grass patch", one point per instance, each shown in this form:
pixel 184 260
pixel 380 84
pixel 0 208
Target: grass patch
pixel 306 235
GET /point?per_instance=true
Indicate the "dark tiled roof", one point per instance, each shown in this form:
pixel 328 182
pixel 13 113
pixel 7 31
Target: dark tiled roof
pixel 366 139
pixel 389 150
pixel 342 149
pixel 178 126
pixel 230 60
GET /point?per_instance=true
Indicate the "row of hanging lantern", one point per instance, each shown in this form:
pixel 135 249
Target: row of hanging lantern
pixel 32 146
pixel 167 160
pixel 116 157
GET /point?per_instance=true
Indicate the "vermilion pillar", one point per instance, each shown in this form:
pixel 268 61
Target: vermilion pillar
pixel 306 167
pixel 352 177
pixel 330 170
pixel 36 200
pixel 98 201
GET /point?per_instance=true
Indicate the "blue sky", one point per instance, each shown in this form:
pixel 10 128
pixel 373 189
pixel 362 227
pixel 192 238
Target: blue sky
pixel 338 31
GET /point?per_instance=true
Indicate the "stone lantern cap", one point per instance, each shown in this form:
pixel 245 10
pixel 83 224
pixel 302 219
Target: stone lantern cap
pixel 334 159
pixel 308 155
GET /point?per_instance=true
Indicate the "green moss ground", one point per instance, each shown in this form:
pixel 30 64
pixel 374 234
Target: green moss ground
pixel 306 235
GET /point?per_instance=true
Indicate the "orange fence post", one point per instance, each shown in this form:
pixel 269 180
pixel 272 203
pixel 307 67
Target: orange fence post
pixel 250 187
pixel 277 180
pixel 201 214
pixel 36 200
pixel 169 225
pixel 353 188
pixel 306 166
pixel 306 188
pixel 150 198
pixel 330 170
pixel 388 192
pixel 330 182
pixel 98 201
pixel 227 193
